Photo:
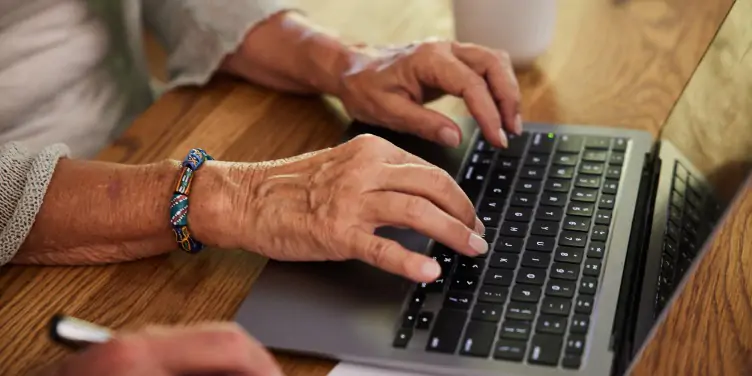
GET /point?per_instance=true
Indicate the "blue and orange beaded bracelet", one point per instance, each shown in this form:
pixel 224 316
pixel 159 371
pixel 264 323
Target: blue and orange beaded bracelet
pixel 179 203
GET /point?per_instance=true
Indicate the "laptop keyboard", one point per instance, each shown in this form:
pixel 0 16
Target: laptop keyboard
pixel 692 214
pixel 547 203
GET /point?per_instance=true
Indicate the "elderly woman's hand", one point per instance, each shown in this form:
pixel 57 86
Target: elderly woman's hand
pixel 389 86
pixel 326 206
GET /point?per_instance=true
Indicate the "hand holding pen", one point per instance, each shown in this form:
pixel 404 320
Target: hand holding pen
pixel 205 349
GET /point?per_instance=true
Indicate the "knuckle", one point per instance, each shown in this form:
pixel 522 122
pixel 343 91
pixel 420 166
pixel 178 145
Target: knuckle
pixel 415 208
pixel 231 336
pixel 441 180
pixel 378 253
pixel 502 56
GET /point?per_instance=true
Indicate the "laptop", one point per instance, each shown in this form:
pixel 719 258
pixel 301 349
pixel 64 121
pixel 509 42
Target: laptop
pixel 591 230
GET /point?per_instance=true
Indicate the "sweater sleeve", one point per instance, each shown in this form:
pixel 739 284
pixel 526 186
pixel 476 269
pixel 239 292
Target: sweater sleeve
pixel 24 178
pixel 198 34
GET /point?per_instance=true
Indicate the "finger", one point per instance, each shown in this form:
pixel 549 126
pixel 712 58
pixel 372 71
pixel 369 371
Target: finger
pixel 209 348
pixel 421 215
pixel 453 76
pixel 391 257
pixel 421 121
pixel 435 185
pixel 496 67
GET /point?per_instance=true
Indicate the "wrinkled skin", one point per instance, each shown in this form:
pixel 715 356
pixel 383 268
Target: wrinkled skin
pixel 326 206
pixel 206 349
pixel 388 86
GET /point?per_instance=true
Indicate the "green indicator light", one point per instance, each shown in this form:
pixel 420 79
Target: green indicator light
pixel 550 135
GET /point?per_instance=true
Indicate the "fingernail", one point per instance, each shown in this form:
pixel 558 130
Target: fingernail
pixel 430 270
pixel 478 244
pixel 518 124
pixel 449 137
pixel 479 228
pixel 503 137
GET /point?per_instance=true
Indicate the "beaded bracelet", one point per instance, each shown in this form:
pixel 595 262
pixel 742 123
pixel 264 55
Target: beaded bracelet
pixel 179 203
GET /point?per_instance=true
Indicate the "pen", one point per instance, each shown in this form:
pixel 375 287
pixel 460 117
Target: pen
pixel 76 334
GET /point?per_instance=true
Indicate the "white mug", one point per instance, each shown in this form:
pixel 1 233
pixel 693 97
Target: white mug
pixel 523 28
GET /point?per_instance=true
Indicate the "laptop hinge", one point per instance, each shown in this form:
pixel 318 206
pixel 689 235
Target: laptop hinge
pixel 629 294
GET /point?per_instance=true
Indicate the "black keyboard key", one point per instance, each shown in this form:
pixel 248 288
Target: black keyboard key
pixel 580 324
pixel 573 239
pixel 537 260
pixel 483 145
pixel 444 256
pixel 545 228
pixel 506 244
pixel 471 189
pixel 598 143
pixel 516 145
pixel 446 331
pixel 592 267
pixel 545 349
pixel 671 248
pixel 556 306
pixel 479 337
pixel 518 214
pixel 570 255
pixel 606 201
pixel 603 217
pixel 493 294
pixel 521 311
pixel 679 187
pixel 620 144
pixel 587 181
pixel 531 276
pixel 542 143
pixel 488 312
pixel 549 213
pixel 561 289
pixel 501 178
pixel 558 185
pixel 541 243
pixel 584 195
pixel 568 272
pixel 417 300
pixel 591 168
pixel 482 159
pixel 490 235
pixel 409 318
pixel 600 233
pixel 551 324
pixel 433 287
pixel 514 229
pixel 507 164
pixel 570 143
pixel 526 294
pixel 537 160
pixel 504 260
pixel 594 156
pixel 553 199
pixel 509 349
pixel 560 172
pixel 588 285
pixel 514 329
pixel 496 191
pixel 470 266
pixel 567 160
pixel 476 173
pixel 402 338
pixel 490 219
pixel 498 277
pixel 571 361
pixel 491 205
pixel 610 186
pixel 532 173
pixel 424 320
pixel 575 223
pixel 458 300
pixel 596 249
pixel 575 344
pixel 528 186
pixel 613 172
pixel 617 159
pixel 525 200
pixel 584 304
pixel 582 209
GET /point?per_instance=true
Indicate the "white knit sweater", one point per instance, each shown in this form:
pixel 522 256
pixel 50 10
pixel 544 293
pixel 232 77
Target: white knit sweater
pixel 73 76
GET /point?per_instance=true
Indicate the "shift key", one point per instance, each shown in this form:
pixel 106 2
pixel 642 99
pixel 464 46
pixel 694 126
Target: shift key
pixel 479 338
pixel 446 332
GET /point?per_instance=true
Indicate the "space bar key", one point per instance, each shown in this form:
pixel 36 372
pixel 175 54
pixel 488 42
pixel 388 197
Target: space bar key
pixel 447 330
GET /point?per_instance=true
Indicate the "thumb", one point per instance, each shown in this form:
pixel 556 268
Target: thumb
pixel 426 123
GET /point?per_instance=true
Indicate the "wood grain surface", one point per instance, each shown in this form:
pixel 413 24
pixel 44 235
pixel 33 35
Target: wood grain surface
pixel 611 63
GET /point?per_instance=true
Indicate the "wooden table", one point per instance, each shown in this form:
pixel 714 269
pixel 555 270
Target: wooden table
pixel 612 62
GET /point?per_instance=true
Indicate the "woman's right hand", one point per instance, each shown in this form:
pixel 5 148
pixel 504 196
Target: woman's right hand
pixel 326 205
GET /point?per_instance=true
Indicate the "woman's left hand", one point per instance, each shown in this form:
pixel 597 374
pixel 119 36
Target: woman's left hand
pixel 389 86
